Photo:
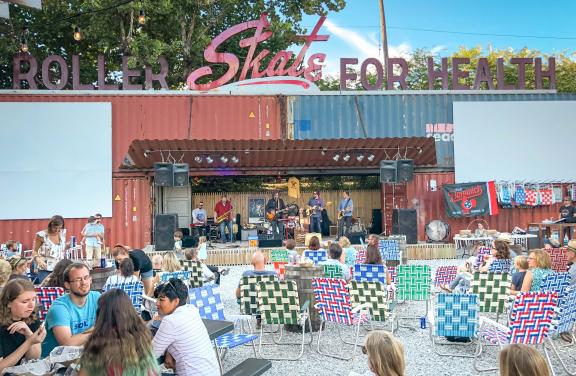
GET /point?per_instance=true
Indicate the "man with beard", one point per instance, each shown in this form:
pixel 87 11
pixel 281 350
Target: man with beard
pixel 72 316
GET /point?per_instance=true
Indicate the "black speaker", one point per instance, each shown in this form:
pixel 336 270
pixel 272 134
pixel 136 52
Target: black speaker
pixel 269 243
pixel 164 174
pixel 164 227
pixel 404 223
pixel 405 170
pixel 355 237
pixel 181 174
pixel 376 221
pixel 388 171
pixel 189 241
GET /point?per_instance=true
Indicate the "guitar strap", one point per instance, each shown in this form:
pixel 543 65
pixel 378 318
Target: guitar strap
pixel 347 202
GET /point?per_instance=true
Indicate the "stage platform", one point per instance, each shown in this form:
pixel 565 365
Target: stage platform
pixel 239 253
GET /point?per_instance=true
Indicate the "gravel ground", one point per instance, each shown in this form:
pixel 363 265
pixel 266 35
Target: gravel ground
pixel 420 358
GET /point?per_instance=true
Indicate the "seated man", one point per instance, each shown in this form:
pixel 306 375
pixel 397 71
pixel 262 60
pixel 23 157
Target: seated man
pixel 334 254
pixel 182 334
pixel 259 264
pixel 72 316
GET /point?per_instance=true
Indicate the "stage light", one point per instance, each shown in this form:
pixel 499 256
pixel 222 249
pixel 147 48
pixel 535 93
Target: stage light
pixel 224 159
pixel 209 159
pixel 336 157
pixel 147 153
pixel 198 159
pixel 234 159
pixel 323 152
pixel 371 157
pixel 360 157
pixel 346 158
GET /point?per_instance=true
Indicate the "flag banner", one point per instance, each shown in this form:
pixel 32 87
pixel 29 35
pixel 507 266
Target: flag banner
pixel 470 199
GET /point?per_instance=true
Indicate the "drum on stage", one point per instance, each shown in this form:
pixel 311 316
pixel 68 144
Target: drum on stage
pixel 437 231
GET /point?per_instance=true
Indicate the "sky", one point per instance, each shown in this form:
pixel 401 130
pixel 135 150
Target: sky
pixel 355 31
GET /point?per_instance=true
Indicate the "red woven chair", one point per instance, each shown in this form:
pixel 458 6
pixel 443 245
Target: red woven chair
pixel 280 269
pixel 46 296
pixel 559 259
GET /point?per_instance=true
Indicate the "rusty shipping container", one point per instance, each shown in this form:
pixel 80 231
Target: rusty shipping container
pixel 429 205
pixel 130 223
pixel 179 116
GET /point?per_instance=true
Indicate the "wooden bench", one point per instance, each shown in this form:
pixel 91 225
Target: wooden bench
pixel 250 367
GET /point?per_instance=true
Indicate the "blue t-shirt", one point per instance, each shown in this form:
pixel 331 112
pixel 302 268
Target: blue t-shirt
pixel 347 205
pixel 63 312
pixel 316 202
pixel 92 228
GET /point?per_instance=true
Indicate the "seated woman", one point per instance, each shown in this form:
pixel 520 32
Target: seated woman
pixel 21 333
pixel 385 354
pixel 5 271
pixel 192 255
pixel 540 266
pixel 520 360
pixel 374 257
pixel 120 343
pixel 56 278
pixel 314 244
pixel 348 252
pixel 124 275
pixel 19 267
pixel 170 264
pixel 334 254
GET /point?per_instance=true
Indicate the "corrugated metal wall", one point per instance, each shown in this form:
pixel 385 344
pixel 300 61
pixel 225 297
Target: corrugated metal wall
pixel 390 115
pixel 430 206
pixel 130 223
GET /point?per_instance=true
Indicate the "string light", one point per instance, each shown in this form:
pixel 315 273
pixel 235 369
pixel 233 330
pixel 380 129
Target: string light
pixel 23 43
pixel 142 17
pixel 77 34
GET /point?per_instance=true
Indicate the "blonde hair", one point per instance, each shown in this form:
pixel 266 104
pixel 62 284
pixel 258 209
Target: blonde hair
pixel 170 263
pixel 344 242
pixel 385 354
pixel 201 240
pixel 522 360
pixel 542 258
pixel 521 262
pixel 5 271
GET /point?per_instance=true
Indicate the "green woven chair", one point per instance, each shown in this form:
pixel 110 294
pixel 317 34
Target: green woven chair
pixel 413 283
pixel 373 293
pixel 493 290
pixel 333 271
pixel 249 293
pixel 279 304
pixel 196 275
pixel 279 255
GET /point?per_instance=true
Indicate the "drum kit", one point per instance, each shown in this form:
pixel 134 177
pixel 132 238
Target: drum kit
pixel 291 220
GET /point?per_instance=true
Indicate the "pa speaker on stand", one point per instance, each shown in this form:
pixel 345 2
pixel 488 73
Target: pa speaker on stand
pixel 181 174
pixel 164 227
pixel 164 174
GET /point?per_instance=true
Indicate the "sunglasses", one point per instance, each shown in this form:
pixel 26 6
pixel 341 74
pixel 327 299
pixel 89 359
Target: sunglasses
pixel 364 350
pixel 165 284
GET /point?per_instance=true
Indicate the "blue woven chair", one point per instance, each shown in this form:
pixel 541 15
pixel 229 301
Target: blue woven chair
pixel 316 256
pixel 565 322
pixel 455 315
pixel 558 282
pixel 370 273
pixel 209 303
pixel 389 249
pixel 183 275
pixel 135 290
pixel 500 266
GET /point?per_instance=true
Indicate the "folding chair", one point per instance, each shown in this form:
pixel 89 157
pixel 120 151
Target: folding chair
pixel 370 273
pixel 500 266
pixel 333 271
pixel 493 290
pixel 46 296
pixel 413 284
pixel 195 268
pixel 183 275
pixel 455 315
pixel 134 290
pixel 249 293
pixel 280 269
pixel 565 322
pixel 389 249
pixel 360 256
pixel 280 255
pixel 279 304
pixel 530 323
pixel 333 305
pixel 372 293
pixel 209 303
pixel 558 282
pixel 482 251
pixel 445 275
pixel 316 256
pixel 559 259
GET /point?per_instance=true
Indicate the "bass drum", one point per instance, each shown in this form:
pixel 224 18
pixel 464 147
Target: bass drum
pixel 437 231
pixel 292 210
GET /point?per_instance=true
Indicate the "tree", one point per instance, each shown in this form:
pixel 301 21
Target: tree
pixel 179 30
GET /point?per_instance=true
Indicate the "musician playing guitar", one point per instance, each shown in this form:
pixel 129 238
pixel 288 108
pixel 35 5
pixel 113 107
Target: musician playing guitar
pixel 345 209
pixel 275 210
pixel 315 206
pixel 199 220
pixel 223 217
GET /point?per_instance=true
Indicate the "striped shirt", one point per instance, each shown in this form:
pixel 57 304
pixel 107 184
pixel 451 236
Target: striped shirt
pixel 184 335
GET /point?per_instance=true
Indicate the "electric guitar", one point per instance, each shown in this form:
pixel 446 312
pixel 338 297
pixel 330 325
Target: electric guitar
pixel 272 214
pixel 342 212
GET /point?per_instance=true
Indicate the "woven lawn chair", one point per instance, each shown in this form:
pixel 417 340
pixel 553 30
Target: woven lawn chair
pixel 455 315
pixel 370 273
pixel 565 322
pixel 558 282
pixel 280 269
pixel 249 293
pixel 413 284
pixel 195 269
pixel 134 290
pixel 530 323
pixel 209 303
pixel 482 251
pixel 493 290
pixel 360 256
pixel 280 255
pixel 445 275
pixel 46 296
pixel 500 266
pixel 389 249
pixel 372 293
pixel 333 271
pixel 333 305
pixel 559 259
pixel 279 305
pixel 316 256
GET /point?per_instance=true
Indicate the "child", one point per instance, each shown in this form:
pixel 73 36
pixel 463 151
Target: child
pixel 202 248
pixel 178 241
pixel 292 254
pixel 210 272
pixel 521 265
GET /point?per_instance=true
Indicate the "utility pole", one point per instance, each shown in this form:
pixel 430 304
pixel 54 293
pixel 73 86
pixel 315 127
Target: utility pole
pixel 384 40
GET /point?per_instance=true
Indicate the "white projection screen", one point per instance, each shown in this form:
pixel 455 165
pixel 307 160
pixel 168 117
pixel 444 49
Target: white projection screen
pixel 56 159
pixel 527 141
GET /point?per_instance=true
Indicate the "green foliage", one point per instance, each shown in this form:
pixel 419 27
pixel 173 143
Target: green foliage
pixel 178 30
